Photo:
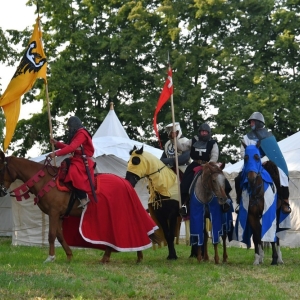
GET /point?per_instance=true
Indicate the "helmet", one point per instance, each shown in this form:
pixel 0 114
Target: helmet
pixel 205 127
pixel 74 124
pixel 257 116
pixel 169 128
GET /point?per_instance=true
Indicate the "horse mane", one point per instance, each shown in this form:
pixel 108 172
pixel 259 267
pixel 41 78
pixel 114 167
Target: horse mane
pixel 272 169
pixel 212 167
pixel 209 169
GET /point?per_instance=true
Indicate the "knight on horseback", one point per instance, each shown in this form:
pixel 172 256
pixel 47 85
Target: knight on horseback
pixel 81 147
pixel 203 149
pixel 269 148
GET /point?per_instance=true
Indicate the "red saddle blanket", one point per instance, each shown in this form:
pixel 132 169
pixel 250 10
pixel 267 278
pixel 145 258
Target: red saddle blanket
pixel 117 220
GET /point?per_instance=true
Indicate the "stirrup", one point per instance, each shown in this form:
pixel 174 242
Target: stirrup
pixel 83 205
pixel 237 209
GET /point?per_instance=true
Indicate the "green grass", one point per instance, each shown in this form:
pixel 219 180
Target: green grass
pixel 23 275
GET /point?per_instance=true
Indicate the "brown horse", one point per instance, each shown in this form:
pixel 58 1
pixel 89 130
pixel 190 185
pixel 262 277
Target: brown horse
pixel 40 180
pixel 257 213
pixel 208 196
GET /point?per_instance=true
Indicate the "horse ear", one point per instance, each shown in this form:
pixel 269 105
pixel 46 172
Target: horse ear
pixel 140 151
pixel 222 166
pixel 244 145
pixel 258 144
pixel 131 151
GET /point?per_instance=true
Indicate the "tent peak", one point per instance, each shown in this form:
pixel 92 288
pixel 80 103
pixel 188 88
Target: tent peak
pixel 111 106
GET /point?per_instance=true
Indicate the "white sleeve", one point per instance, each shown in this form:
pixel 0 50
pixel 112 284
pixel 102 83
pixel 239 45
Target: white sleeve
pixel 214 154
pixel 247 142
pixel 284 180
pixel 184 146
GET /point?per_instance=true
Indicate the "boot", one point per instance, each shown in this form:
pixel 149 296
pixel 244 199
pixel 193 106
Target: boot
pixel 83 202
pixel 285 206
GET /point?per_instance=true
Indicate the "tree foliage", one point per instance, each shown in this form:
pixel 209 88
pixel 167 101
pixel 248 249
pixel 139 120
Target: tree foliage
pixel 229 59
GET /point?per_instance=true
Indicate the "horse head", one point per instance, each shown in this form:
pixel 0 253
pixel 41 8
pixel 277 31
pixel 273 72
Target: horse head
pixel 252 163
pixel 134 164
pixel 213 180
pixel 143 164
pixel 5 181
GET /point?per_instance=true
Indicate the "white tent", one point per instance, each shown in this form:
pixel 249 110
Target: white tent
pixel 290 148
pixel 112 146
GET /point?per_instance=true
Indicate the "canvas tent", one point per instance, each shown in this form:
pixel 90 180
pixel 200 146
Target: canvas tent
pixel 290 148
pixel 112 146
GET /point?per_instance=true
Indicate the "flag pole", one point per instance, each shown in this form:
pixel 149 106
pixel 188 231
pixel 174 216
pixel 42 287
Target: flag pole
pixel 47 92
pixel 175 145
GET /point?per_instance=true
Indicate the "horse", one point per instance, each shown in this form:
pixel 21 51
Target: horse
pixel 207 198
pixel 117 206
pixel 258 214
pixel 163 189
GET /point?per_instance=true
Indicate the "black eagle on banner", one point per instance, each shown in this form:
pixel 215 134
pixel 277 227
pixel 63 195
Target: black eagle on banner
pixel 31 61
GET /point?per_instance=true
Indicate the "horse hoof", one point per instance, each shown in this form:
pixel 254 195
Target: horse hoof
pixel 172 257
pixel 50 258
pixel 104 260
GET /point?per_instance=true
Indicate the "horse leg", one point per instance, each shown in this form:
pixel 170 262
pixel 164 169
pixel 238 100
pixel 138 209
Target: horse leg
pixel 225 256
pixel 217 258
pixel 199 254
pixel 106 256
pixel 254 222
pixel 279 260
pixel 274 254
pixel 168 226
pixel 261 253
pixel 205 245
pixel 53 226
pixel 139 256
pixel 61 239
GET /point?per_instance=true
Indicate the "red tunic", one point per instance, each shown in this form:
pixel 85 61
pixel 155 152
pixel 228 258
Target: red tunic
pixel 77 173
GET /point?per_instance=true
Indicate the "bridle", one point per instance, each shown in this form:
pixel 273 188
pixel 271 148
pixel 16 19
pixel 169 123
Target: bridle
pixel 3 189
pixel 137 178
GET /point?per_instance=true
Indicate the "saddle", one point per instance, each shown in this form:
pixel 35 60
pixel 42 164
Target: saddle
pixel 62 173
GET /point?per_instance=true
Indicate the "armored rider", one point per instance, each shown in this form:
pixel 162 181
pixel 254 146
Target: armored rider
pixel 202 150
pixel 81 147
pixel 269 148
pixel 168 156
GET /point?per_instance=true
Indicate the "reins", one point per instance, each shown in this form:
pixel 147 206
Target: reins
pixel 24 189
pixel 257 192
pixel 158 171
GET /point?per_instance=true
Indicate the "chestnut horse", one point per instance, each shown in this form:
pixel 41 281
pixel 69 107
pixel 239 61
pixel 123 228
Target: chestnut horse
pixel 257 213
pixel 208 196
pixel 40 180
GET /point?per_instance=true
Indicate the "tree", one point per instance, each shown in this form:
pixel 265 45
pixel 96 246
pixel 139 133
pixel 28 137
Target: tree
pixel 229 59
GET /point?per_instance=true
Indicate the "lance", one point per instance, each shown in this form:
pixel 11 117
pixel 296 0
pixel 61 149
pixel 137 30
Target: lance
pixel 86 163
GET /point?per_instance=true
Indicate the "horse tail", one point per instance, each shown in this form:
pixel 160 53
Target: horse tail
pixel 266 246
pixel 156 238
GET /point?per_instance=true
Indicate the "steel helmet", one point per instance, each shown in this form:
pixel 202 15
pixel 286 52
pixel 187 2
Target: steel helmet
pixel 169 128
pixel 257 116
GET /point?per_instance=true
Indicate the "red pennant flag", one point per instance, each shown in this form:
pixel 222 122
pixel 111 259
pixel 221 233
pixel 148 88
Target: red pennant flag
pixel 164 97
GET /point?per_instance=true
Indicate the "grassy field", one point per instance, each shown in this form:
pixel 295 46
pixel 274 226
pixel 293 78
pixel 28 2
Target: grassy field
pixel 24 276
